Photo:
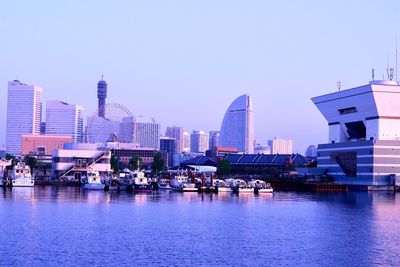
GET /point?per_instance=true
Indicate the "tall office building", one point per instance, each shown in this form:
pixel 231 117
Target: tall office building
pixel 237 129
pixel 148 134
pixel 64 119
pixel 198 141
pixel 281 146
pixel 168 145
pixel 24 113
pixel 186 142
pixel 214 139
pixel 177 133
pixel 102 95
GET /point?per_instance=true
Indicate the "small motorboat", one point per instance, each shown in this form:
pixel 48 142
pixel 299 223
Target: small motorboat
pixel 92 181
pixel 261 187
pixel 21 176
pixel 164 184
pixel 241 187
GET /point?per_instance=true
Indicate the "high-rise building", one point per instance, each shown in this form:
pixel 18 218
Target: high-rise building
pixel 281 146
pixel 64 119
pixel 262 149
pixel 237 129
pixel 102 95
pixel 100 129
pixel 186 142
pixel 24 113
pixel 168 145
pixel 177 133
pixel 198 141
pixel 147 134
pixel 214 139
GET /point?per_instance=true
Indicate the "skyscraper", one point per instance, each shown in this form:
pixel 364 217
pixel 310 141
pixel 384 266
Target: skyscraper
pixel 24 113
pixel 148 134
pixel 281 146
pixel 177 133
pixel 214 139
pixel 198 141
pixel 102 95
pixel 186 142
pixel 237 129
pixel 168 145
pixel 64 119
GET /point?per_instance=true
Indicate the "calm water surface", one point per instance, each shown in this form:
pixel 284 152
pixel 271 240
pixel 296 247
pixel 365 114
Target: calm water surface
pixel 50 226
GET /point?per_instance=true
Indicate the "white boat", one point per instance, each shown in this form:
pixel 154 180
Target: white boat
pixel 141 182
pixel 21 176
pixel 261 187
pixel 93 181
pixel 164 184
pixel 241 187
pixel 3 164
pixel 181 183
pixel 222 186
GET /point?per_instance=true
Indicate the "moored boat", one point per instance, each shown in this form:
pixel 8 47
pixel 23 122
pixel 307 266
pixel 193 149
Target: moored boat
pixel 92 181
pixel 181 183
pixel 21 176
pixel 241 187
pixel 222 186
pixel 164 184
pixel 3 172
pixel 261 187
pixel 141 182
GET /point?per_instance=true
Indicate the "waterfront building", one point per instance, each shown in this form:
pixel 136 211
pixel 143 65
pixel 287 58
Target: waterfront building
pixel 148 134
pixel 237 129
pixel 281 146
pixel 213 139
pixel 42 145
pixel 102 95
pixel 124 152
pixel 73 164
pixel 219 151
pixel 364 135
pixel 176 133
pixel 263 149
pixel 100 129
pixel 64 119
pixel 127 130
pixel 168 146
pixel 24 113
pixel 186 142
pixel 198 141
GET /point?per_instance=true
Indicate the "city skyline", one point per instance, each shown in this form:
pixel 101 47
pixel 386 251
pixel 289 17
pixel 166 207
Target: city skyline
pixel 173 55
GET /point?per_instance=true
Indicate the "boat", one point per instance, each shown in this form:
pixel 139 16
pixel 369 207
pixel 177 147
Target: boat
pixel 222 186
pixel 261 187
pixel 21 176
pixel 164 184
pixel 241 187
pixel 3 171
pixel 180 183
pixel 92 181
pixel 141 182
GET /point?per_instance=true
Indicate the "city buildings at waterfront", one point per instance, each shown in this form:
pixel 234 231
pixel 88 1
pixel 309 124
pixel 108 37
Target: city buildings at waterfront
pixel 168 146
pixel 64 119
pixel 213 139
pixel 186 142
pixel 363 146
pixel 148 134
pixel 177 133
pixel 280 146
pixel 24 113
pixel 262 149
pixel 42 145
pixel 237 129
pixel 199 141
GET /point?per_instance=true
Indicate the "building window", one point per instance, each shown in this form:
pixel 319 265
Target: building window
pixel 344 111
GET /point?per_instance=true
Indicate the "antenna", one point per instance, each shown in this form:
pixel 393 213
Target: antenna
pixel 102 77
pixel 339 85
pixel 373 74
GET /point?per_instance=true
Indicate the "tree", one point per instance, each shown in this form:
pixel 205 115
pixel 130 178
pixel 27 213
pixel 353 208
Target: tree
pixel 158 162
pixel 31 162
pixel 135 162
pixel 114 163
pixel 224 167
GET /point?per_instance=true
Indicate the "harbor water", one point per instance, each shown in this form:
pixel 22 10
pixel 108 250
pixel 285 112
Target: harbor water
pixel 67 226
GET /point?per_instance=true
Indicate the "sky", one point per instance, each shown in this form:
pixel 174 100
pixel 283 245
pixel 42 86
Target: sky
pixel 184 62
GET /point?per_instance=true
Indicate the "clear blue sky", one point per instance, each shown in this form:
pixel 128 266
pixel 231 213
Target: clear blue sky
pixel 183 62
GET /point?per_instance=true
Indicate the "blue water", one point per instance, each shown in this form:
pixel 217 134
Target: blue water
pixel 49 226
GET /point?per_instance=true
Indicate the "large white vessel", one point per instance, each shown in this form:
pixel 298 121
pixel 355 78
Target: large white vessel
pixel 21 176
pixel 222 186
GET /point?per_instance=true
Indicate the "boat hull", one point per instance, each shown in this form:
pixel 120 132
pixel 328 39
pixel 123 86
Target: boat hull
pixel 265 191
pixel 224 189
pixel 23 183
pixel 142 188
pixel 93 186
